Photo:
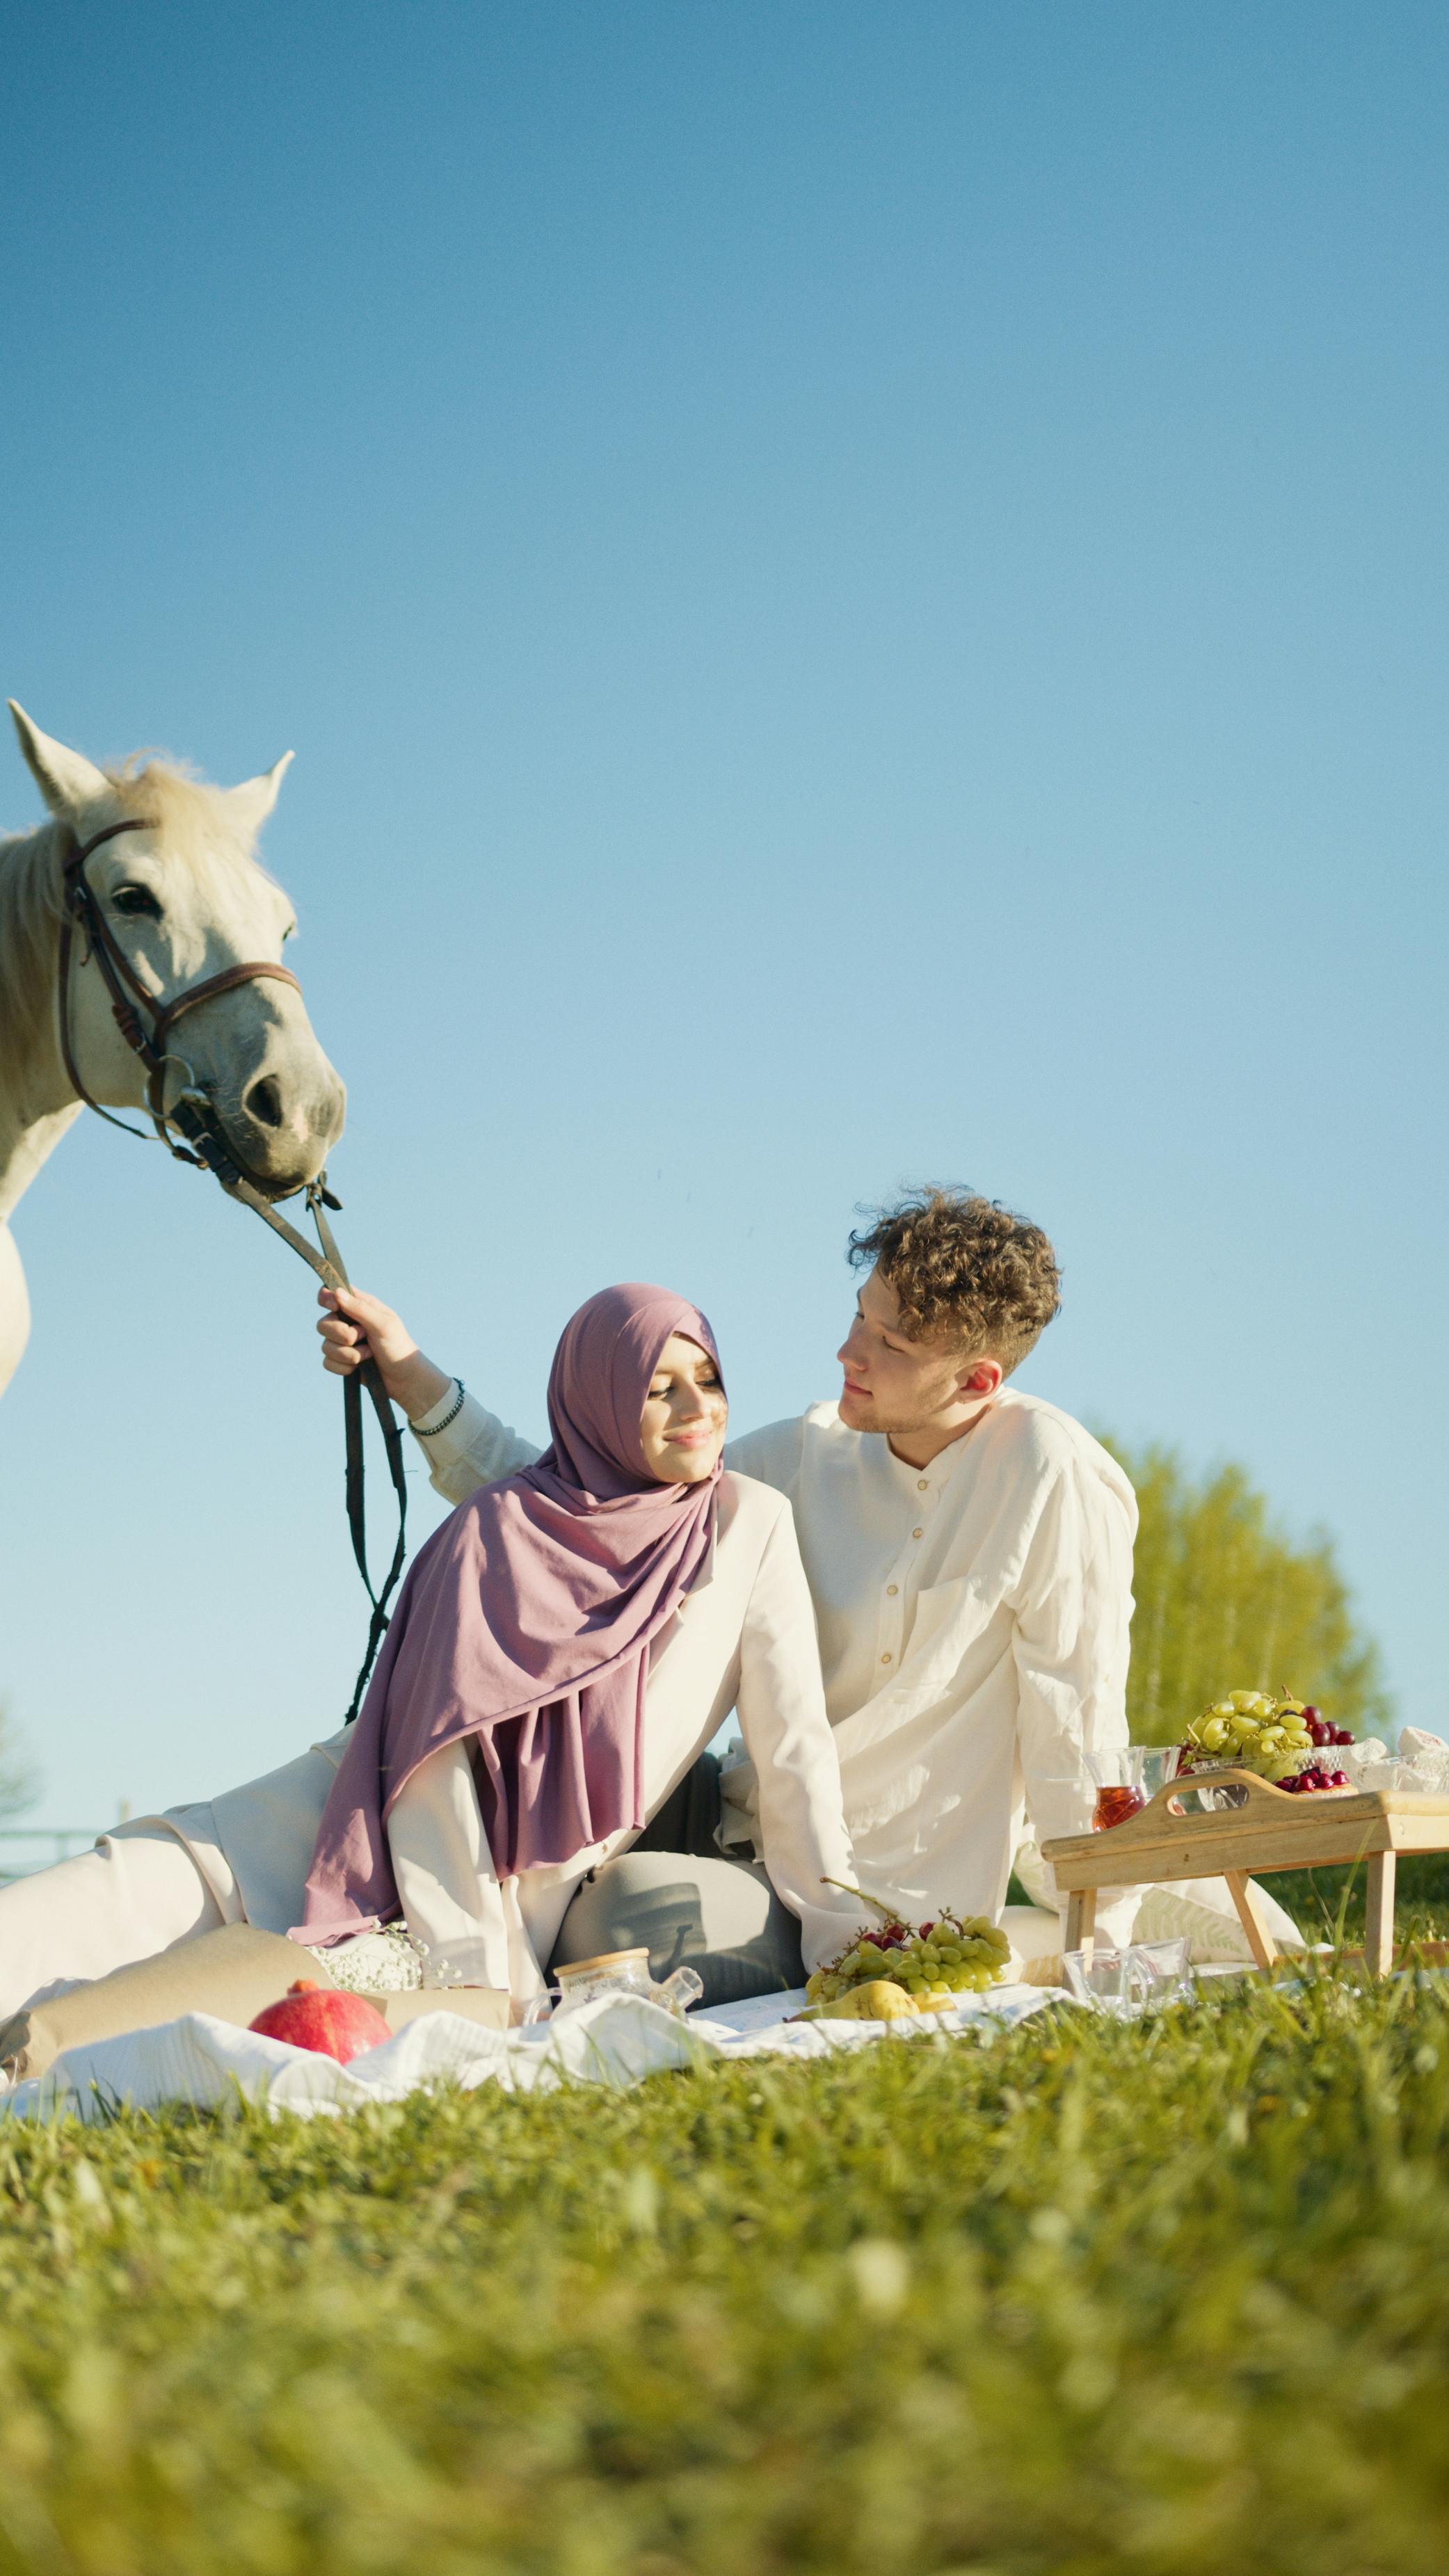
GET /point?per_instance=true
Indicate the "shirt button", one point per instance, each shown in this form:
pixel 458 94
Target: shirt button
pixel 892 1589
pixel 918 1533
pixel 923 1484
pixel 885 1659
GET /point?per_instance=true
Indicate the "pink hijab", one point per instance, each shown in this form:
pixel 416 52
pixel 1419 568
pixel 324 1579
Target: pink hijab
pixel 525 1625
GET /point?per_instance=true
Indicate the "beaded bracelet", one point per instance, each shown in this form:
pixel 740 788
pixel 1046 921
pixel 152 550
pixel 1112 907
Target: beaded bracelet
pixel 451 1415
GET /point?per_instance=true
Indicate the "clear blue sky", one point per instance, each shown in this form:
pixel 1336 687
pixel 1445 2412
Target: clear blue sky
pixel 860 595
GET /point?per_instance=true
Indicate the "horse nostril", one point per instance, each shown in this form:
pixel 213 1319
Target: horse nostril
pixel 264 1102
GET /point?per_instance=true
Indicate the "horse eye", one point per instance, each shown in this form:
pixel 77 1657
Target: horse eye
pixel 136 899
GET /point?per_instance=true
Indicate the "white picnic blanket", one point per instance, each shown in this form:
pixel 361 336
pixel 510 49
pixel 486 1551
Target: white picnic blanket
pixel 617 2041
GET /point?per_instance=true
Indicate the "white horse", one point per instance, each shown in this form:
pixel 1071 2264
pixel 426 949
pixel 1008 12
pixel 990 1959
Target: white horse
pixel 186 900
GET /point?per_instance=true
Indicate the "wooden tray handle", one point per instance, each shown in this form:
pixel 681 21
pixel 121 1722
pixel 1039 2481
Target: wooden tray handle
pixel 1228 1777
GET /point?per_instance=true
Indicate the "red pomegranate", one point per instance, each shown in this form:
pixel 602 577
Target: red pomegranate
pixel 336 2024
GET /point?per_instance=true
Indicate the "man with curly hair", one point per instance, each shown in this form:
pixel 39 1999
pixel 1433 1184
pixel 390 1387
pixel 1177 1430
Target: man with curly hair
pixel 969 1549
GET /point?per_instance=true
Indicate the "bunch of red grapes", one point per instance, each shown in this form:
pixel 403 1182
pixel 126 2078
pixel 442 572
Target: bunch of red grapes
pixel 1321 1734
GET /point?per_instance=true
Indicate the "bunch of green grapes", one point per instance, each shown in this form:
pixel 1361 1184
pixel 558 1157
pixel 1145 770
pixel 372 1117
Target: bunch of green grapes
pixel 1264 1734
pixel 954 1955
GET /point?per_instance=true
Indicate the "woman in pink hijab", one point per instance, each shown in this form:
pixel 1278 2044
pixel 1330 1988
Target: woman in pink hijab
pixel 563 1649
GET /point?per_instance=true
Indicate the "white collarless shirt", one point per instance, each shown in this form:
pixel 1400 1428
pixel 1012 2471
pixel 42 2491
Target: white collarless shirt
pixel 974 1638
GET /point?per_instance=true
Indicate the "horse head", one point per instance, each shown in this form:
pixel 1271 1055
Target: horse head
pixel 186 900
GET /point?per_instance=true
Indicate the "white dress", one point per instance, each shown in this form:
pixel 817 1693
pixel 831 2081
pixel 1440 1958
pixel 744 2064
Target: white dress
pixel 743 1639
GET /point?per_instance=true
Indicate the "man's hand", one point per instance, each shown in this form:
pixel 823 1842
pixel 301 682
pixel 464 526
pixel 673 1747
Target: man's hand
pixel 357 1327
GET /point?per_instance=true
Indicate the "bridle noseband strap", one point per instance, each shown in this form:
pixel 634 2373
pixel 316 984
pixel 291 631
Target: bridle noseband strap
pixel 263 971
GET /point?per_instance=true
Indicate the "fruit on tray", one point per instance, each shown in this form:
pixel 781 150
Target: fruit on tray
pixel 877 2001
pixel 326 2018
pixel 951 1955
pixel 1274 1734
pixel 1320 1730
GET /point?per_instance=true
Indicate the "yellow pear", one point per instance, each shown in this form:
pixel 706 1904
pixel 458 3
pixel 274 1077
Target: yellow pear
pixel 877 2001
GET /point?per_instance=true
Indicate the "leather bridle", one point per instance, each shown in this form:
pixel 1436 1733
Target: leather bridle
pixel 193 1113
pixel 82 912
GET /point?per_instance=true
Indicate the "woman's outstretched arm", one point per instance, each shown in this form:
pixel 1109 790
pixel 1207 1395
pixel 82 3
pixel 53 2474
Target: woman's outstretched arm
pixel 465 1445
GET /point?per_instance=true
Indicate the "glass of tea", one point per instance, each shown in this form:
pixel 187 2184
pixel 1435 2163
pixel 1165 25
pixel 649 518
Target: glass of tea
pixel 1126 1777
pixel 1116 1801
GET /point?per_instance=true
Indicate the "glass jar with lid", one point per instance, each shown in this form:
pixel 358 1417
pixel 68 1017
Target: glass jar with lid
pixel 623 1972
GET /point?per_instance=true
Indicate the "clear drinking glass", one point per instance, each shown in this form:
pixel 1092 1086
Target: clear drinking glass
pixel 1139 1979
pixel 1158 1972
pixel 1126 1777
pixel 1095 1976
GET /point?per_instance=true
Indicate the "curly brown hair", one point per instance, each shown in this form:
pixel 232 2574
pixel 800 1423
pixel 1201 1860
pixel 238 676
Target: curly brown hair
pixel 966 1271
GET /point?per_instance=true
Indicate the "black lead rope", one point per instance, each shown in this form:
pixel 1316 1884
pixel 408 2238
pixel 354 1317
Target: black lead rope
pixel 190 1115
pixel 369 1376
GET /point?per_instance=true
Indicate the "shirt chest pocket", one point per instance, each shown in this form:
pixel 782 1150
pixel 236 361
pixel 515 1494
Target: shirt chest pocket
pixel 952 1627
pixel 939 1612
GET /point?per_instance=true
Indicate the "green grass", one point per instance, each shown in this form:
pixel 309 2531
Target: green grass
pixel 1092 2299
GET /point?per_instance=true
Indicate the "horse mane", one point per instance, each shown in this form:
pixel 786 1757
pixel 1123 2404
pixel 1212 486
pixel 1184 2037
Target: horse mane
pixel 189 817
pixel 29 922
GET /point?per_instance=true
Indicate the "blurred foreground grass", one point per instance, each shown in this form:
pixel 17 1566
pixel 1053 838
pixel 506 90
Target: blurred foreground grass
pixel 1170 2297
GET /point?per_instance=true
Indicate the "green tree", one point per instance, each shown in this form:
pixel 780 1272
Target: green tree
pixel 17 1781
pixel 1227 1601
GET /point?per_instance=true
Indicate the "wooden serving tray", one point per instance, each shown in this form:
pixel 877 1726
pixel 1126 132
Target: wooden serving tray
pixel 1269 1830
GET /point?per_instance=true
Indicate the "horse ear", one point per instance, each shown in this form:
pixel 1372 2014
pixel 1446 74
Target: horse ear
pixel 66 779
pixel 251 803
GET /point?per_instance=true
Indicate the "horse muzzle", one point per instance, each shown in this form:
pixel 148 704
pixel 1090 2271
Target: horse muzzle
pixel 281 1127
